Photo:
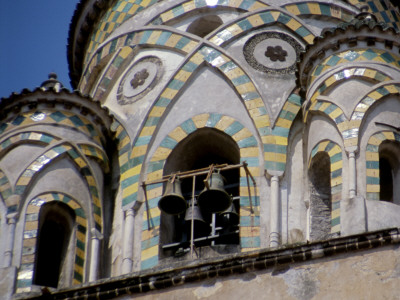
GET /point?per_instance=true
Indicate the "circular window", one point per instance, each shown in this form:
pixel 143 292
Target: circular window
pixel 272 52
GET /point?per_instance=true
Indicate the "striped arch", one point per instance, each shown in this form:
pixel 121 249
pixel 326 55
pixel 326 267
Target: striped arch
pixel 319 9
pixel 188 6
pixel 156 37
pixel 335 154
pixel 34 136
pixel 256 20
pixel 276 142
pixel 120 12
pixel 6 192
pixel 96 153
pixel 372 161
pixel 123 146
pixel 297 9
pixel 347 74
pixel 356 55
pixel 249 152
pixel 243 85
pixel 365 103
pixel 64 118
pixel 25 273
pixel 26 177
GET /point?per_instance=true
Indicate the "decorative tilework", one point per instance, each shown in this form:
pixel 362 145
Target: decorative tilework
pixel 6 192
pixel 267 17
pixel 335 154
pixel 381 11
pixel 96 153
pixel 323 9
pixel 275 140
pixel 249 151
pixel 46 158
pixel 346 74
pixel 123 46
pixel 26 270
pixel 119 13
pixel 231 70
pixel 372 161
pixel 64 118
pixel 349 128
pixel 188 6
pixel 362 55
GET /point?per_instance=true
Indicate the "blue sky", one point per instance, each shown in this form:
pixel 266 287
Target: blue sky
pixel 33 42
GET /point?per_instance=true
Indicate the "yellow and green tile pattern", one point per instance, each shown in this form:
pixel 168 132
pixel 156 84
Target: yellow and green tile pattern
pixel 26 270
pixel 274 140
pixel 62 118
pixel 346 74
pixel 349 129
pixel 26 177
pixel 356 55
pixel 319 9
pixel 372 161
pixel 189 6
pixel 382 11
pixel 335 154
pixel 122 47
pixel 249 152
pixel 257 20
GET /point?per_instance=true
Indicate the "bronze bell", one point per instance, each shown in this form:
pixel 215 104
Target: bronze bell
pixel 215 199
pixel 172 202
pixel 230 215
pixel 201 227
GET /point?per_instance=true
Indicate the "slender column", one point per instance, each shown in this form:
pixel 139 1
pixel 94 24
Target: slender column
pixel 352 175
pixel 127 262
pixel 274 236
pixel 94 257
pixel 8 255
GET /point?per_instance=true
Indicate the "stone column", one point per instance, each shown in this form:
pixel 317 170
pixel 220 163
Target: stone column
pixel 8 254
pixel 127 262
pixel 274 236
pixel 94 255
pixel 352 174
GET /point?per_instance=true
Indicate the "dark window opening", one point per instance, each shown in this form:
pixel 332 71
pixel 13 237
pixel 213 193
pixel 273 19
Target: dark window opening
pixel 389 172
pixel 386 180
pixel 320 198
pixel 56 222
pixel 204 25
pixel 200 150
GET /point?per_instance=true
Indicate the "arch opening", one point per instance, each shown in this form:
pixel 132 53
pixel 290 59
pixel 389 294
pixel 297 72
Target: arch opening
pixel 199 150
pixel 56 226
pixel 320 196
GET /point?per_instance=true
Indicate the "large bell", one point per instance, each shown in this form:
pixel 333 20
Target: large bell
pixel 215 199
pixel 201 228
pixel 172 202
pixel 230 215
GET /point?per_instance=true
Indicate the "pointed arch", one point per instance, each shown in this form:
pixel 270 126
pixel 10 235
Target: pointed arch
pixel 364 105
pixel 372 161
pixel 249 152
pixel 259 19
pixel 346 74
pixel 335 155
pixel 26 270
pixel 61 118
pixel 155 37
pixel 26 177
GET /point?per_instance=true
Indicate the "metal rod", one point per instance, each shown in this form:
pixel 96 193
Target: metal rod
pixel 192 219
pixel 147 206
pixel 213 228
pixel 248 185
pixel 188 174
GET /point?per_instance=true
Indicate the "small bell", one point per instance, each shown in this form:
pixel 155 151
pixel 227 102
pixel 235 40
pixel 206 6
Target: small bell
pixel 172 202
